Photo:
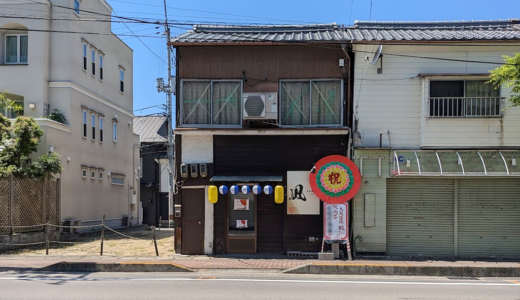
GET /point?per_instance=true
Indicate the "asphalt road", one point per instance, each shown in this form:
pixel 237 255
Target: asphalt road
pixel 244 285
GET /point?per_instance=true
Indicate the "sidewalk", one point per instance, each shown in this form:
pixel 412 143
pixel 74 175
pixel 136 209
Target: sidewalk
pixel 181 263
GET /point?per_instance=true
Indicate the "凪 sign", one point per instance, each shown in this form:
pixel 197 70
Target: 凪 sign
pixel 301 200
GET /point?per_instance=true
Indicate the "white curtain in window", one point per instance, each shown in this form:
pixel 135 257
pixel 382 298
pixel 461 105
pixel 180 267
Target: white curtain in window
pixel 295 102
pixel 326 102
pixel 226 102
pixel 24 48
pixel 196 102
pixel 482 99
pixel 11 49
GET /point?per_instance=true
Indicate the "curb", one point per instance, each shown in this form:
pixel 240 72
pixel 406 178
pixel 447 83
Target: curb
pixel 357 269
pixel 115 267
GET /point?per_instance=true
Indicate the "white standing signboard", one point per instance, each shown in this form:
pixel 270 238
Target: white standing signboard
pixel 335 225
pixel 301 200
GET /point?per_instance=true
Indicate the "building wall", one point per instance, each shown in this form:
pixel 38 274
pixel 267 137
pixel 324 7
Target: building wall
pixel 372 239
pixel 54 76
pixel 395 101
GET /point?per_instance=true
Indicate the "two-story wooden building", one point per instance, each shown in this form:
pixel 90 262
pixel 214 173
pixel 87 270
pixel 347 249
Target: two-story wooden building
pixel 254 104
pixel 437 147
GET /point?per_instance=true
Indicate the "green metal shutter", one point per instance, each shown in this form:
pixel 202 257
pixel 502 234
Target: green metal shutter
pixel 489 218
pixel 419 216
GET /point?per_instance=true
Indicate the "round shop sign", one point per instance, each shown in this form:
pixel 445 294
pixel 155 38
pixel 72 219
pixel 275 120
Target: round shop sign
pixel 335 179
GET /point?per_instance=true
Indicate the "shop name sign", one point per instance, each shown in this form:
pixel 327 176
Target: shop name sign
pixel 335 225
pixel 301 200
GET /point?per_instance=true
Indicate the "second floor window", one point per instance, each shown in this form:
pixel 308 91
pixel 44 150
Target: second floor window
pixel 16 48
pixel 93 123
pixel 85 66
pixel 121 80
pixel 311 102
pixel 464 98
pixel 114 132
pixel 85 123
pixel 101 57
pixel 93 58
pixel 101 129
pixel 216 102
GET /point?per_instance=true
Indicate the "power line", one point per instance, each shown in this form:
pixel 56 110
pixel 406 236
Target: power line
pixel 144 108
pixel 350 15
pixel 77 32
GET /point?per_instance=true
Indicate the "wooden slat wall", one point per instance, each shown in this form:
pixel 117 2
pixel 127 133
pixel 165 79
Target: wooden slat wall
pixel 274 155
pixel 259 63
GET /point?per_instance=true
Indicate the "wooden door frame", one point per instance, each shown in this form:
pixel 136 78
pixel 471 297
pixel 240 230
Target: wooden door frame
pixel 203 188
pixel 256 226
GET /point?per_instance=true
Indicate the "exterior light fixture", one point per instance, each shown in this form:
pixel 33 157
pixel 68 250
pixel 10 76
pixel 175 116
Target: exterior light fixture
pixel 32 105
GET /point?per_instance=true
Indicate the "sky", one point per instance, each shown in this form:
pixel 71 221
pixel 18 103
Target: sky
pixel 150 52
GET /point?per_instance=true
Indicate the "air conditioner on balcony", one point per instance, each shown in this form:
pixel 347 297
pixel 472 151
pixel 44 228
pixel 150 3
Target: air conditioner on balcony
pixel 260 106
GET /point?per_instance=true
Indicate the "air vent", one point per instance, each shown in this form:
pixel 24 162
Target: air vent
pixel 254 106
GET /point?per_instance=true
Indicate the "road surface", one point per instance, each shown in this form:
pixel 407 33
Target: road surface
pixel 232 285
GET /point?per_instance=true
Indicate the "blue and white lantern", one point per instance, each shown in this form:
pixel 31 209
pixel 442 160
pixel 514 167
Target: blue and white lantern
pixel 246 189
pixel 234 189
pixel 257 190
pixel 268 190
pixel 223 190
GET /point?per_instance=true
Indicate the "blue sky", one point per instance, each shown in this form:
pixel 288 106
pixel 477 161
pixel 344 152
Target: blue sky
pixel 147 66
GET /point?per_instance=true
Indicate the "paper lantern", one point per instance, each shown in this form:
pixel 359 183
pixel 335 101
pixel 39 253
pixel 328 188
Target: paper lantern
pixel 278 194
pixel 234 189
pixel 257 190
pixel 246 189
pixel 268 190
pixel 223 189
pixel 212 194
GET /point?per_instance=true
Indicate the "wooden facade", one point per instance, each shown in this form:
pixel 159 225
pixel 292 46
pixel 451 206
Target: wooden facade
pixel 261 67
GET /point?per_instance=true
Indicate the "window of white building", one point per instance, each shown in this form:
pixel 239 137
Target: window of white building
pixel 16 48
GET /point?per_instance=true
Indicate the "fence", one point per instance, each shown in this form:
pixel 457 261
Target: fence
pixel 25 202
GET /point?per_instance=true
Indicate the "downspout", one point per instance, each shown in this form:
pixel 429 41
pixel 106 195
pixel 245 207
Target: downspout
pixel 50 60
pixel 136 186
pixel 347 57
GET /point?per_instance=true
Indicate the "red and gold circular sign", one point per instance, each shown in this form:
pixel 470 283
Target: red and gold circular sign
pixel 336 179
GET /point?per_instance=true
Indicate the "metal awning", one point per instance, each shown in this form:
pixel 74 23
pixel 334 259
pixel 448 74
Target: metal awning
pixel 217 178
pixel 455 163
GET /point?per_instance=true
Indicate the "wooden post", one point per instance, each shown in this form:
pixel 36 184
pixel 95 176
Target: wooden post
pixel 47 234
pixel 102 234
pixel 155 241
pixel 11 203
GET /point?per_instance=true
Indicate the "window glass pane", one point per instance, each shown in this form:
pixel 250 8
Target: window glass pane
pixel 11 49
pixel 101 61
pixel 93 55
pixel 84 117
pixel 84 50
pixel 121 75
pixel 93 120
pixel 447 89
pixel 24 48
pixel 76 6
pixel 118 180
pixel 295 103
pixel 326 102
pixel 114 131
pixel 196 102
pixel 226 103
pixel 101 123
pixel 481 89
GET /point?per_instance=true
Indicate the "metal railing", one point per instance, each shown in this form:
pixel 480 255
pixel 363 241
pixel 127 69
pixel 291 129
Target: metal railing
pixel 465 107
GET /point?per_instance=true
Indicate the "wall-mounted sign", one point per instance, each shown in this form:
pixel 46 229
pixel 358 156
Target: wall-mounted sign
pixel 335 222
pixel 335 179
pixel 241 223
pixel 301 200
pixel 241 204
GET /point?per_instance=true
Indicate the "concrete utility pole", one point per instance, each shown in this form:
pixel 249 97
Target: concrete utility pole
pixel 168 88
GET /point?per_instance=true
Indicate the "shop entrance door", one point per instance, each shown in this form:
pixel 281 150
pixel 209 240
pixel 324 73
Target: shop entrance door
pixel 193 221
pixel 241 223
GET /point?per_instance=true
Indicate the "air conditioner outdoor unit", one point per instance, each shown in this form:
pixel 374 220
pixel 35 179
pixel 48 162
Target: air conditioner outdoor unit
pixel 260 106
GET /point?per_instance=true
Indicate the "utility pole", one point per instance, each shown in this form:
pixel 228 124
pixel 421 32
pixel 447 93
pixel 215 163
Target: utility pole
pixel 168 88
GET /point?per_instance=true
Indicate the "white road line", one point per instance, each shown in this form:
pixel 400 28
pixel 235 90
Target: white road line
pixel 259 280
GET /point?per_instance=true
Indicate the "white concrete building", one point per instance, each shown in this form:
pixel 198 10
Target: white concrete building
pixel 437 147
pixel 55 55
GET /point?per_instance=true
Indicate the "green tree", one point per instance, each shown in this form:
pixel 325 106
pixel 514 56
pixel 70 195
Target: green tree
pixel 508 75
pixel 10 106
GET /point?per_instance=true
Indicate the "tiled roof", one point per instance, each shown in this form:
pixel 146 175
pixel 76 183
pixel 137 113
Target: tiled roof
pixel 262 34
pixel 148 128
pixel 361 32
pixel 435 31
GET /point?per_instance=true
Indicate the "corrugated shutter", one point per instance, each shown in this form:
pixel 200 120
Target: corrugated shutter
pixel 489 218
pixel 419 217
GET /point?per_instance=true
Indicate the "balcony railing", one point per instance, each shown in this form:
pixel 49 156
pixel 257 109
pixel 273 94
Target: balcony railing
pixel 465 107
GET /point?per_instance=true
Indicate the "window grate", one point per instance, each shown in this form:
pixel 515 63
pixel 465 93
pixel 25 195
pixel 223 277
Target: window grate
pixel 465 107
